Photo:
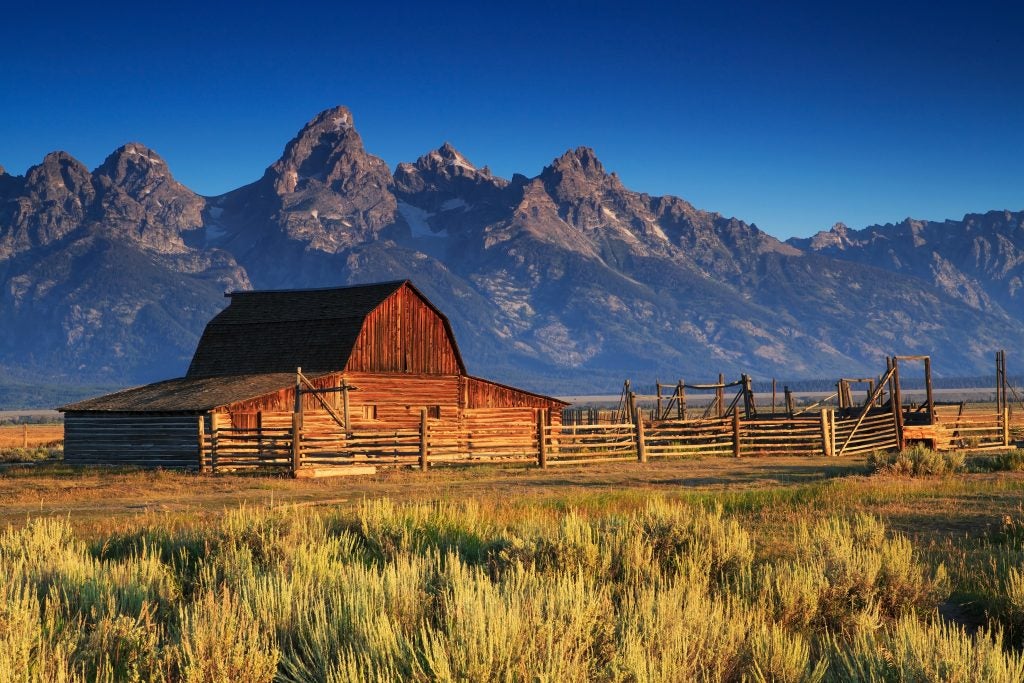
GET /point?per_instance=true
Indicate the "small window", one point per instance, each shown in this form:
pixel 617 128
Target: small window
pixel 434 412
pixel 369 412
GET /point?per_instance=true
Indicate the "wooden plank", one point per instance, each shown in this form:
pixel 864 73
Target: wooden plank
pixel 309 472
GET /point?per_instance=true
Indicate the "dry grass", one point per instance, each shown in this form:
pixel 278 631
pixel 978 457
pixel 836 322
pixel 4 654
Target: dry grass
pixel 100 494
pixel 13 436
pixel 762 583
pixel 788 569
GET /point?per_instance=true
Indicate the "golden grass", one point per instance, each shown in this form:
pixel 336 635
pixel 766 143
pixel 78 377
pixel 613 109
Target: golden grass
pixel 724 570
pixel 13 436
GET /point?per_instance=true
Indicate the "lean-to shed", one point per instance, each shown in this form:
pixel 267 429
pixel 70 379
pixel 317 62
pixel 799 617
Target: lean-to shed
pixel 390 346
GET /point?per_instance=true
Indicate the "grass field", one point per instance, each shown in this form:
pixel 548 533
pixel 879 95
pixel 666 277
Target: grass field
pixel 13 436
pixel 784 569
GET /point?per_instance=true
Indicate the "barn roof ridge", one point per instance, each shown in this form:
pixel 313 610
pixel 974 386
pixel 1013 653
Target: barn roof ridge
pixel 297 290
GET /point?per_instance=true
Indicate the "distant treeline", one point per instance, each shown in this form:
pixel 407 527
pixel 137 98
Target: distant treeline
pixel 18 395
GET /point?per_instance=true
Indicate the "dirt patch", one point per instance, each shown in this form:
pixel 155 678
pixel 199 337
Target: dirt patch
pixel 88 492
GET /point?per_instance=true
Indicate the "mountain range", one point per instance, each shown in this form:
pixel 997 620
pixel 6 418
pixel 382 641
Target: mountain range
pixel 564 282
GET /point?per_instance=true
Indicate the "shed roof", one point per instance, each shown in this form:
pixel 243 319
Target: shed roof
pixel 278 330
pixel 188 394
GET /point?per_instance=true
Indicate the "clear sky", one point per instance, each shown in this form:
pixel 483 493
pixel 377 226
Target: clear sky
pixel 790 117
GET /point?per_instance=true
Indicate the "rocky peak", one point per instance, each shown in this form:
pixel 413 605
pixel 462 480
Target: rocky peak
pixel 326 192
pixel 580 160
pixel 8 185
pixel 327 152
pixel 59 175
pixel 49 203
pixel 447 155
pixel 140 199
pixel 444 169
pixel 838 237
pixel 135 168
pixel 579 174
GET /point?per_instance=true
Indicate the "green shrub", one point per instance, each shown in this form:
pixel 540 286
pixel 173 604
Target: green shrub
pixel 917 461
pixel 31 454
pixel 1009 461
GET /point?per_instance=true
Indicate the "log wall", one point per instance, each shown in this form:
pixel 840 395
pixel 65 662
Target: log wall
pixel 126 439
pixel 481 393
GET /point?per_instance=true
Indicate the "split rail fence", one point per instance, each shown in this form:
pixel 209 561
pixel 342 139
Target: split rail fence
pixel 289 441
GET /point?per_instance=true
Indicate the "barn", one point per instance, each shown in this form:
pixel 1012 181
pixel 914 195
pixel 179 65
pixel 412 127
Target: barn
pixel 344 372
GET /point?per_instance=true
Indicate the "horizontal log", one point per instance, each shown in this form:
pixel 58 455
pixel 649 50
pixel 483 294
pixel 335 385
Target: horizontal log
pixel 590 461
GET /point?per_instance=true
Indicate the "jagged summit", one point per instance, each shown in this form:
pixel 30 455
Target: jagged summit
pixel 133 164
pixel 446 153
pixel 326 192
pixel 580 159
pixel 327 151
pixel 448 161
pixel 60 175
pixel 446 170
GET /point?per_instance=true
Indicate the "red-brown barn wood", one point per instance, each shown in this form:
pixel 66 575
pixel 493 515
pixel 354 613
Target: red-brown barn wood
pixel 386 341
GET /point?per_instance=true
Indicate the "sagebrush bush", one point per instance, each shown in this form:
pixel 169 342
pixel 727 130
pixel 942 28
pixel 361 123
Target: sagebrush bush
pixel 31 454
pixel 223 642
pixel 1008 461
pixel 425 592
pixel 915 650
pixel 917 461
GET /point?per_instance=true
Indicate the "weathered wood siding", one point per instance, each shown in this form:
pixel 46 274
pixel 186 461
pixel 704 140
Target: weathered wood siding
pixel 398 399
pixel 406 335
pixel 284 399
pixel 127 439
pixel 481 393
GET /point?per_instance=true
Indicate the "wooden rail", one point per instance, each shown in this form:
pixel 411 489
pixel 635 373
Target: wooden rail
pixel 281 442
pixel 524 435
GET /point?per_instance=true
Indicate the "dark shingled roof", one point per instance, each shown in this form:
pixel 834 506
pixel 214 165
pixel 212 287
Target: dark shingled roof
pixel 277 331
pixel 188 395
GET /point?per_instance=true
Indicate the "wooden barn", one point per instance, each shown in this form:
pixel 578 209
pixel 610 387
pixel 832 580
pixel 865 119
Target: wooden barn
pixel 377 362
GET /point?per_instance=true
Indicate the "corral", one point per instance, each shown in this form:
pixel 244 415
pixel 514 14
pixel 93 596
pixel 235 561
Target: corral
pixel 302 380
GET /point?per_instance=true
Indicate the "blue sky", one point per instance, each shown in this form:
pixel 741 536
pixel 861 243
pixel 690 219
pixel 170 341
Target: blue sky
pixel 791 117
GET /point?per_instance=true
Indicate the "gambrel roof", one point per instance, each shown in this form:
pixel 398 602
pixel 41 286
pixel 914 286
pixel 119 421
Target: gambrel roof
pixel 279 330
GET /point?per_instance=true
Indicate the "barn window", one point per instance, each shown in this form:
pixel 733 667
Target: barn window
pixel 434 412
pixel 369 412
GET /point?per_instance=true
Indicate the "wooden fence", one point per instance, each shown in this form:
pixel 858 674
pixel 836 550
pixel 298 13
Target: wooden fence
pixel 527 435
pixel 971 427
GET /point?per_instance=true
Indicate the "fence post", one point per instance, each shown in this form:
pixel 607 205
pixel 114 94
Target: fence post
pixel 682 400
pixel 423 440
pixel 1006 425
pixel 736 433
pixel 214 429
pixel 296 442
pixel 24 435
pixel 827 443
pixel 641 447
pixel 202 445
pixel 542 451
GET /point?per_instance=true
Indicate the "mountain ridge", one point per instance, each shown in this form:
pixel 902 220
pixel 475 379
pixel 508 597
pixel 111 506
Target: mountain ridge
pixel 564 281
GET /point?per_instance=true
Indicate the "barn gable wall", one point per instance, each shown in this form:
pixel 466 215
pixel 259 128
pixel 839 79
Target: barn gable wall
pixel 404 334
